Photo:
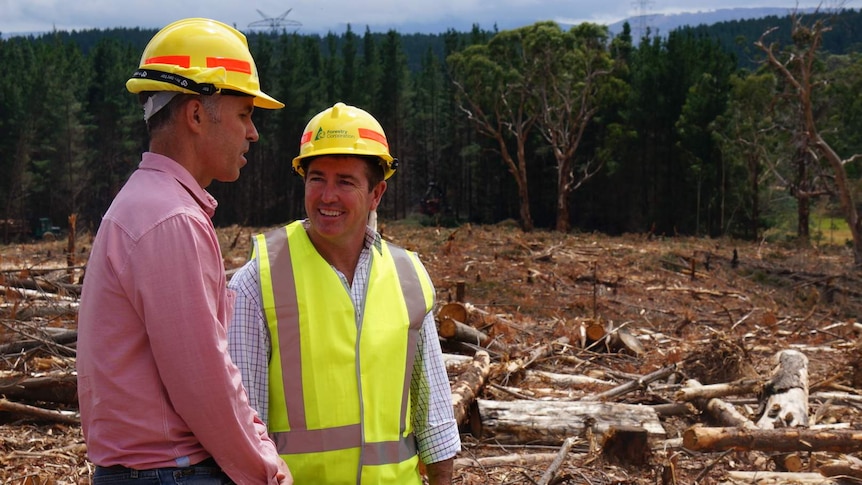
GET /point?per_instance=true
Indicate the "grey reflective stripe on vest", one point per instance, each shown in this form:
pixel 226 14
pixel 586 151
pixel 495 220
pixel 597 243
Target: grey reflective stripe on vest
pixel 415 299
pixel 302 440
pixel 286 307
pixel 318 440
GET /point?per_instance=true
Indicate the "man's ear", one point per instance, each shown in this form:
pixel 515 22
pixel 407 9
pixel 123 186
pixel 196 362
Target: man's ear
pixel 193 113
pixel 377 194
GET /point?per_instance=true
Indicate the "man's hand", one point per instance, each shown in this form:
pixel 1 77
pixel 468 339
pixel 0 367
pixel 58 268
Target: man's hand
pixel 283 474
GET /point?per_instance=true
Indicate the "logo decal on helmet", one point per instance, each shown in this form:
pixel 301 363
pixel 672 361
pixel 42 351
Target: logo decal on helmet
pixel 344 130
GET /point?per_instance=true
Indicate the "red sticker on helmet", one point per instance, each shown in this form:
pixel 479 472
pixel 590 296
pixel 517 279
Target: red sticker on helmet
pixel 373 135
pixel 182 61
pixel 235 65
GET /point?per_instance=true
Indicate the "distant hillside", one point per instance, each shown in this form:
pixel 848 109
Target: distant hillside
pixel 661 24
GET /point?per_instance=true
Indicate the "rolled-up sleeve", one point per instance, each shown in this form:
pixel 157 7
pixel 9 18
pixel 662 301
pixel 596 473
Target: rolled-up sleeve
pixel 433 418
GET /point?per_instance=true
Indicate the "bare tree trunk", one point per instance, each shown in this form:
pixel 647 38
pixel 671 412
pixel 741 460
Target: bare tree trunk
pixel 563 224
pixel 799 71
pixel 803 202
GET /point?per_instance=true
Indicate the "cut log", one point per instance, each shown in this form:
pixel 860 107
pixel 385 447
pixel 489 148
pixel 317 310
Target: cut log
pixel 633 385
pixel 564 380
pixel 626 445
pixel 453 311
pixel 621 340
pixel 455 361
pixel 776 478
pixel 509 460
pixel 784 401
pixel 595 331
pixel 466 314
pixel 850 467
pixel 14 292
pixel 41 285
pixel 39 309
pixel 721 412
pixel 699 438
pixel 455 330
pixel 675 409
pixel 62 338
pixel 602 334
pixel 736 388
pixel 788 462
pixel 38 413
pixel 482 319
pixel 468 385
pixel 558 461
pixel 551 422
pixel 515 366
pixel 726 414
pixel 58 389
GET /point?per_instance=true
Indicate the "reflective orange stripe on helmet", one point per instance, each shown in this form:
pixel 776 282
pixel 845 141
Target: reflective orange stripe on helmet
pixel 235 65
pixel 344 130
pixel 201 56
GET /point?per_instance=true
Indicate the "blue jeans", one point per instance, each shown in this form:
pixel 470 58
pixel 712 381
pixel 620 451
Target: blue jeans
pixel 203 473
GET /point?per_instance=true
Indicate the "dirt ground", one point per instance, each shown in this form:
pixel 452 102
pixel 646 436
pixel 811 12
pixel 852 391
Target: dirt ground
pixel 714 310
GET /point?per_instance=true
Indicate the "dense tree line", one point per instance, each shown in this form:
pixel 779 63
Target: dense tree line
pixel 686 133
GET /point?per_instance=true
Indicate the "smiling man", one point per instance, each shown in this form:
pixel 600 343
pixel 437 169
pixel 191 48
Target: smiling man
pixel 333 331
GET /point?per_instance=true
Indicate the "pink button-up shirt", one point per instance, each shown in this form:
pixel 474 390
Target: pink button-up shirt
pixel 156 385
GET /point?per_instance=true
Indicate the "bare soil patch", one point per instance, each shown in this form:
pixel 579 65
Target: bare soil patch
pixel 715 310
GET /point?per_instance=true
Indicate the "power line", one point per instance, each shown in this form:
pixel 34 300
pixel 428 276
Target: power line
pixel 643 17
pixel 275 24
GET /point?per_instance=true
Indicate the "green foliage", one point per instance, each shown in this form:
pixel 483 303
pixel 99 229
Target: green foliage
pixel 690 136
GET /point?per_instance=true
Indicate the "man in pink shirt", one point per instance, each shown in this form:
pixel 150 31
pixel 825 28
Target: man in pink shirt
pixel 159 396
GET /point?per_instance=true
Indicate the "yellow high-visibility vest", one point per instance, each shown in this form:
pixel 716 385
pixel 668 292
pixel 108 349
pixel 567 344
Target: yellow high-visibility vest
pixel 339 399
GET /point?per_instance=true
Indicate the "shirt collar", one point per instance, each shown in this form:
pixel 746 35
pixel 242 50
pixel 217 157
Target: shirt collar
pixel 161 163
pixel 372 238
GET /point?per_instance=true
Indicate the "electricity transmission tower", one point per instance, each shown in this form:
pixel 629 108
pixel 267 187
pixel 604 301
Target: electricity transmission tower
pixel 275 24
pixel 642 18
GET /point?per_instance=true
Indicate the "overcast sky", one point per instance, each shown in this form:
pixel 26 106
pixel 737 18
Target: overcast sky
pixel 321 16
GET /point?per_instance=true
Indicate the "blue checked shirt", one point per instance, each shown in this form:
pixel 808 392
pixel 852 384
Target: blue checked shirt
pixel 250 348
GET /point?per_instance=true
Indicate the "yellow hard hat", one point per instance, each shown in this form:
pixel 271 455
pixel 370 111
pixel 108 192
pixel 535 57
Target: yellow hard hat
pixel 344 130
pixel 199 56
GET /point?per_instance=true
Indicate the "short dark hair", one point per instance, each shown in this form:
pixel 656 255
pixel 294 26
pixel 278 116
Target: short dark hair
pixel 374 172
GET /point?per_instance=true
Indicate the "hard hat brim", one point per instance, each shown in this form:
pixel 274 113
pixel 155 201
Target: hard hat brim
pixel 265 101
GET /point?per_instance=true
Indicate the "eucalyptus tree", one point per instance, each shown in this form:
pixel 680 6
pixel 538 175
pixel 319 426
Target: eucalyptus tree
pixel 571 70
pixel 494 89
pixel 800 66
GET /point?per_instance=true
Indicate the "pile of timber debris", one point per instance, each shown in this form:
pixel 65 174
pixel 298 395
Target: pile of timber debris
pixel 573 359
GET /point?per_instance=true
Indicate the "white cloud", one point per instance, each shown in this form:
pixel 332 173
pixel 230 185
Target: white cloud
pixel 333 15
